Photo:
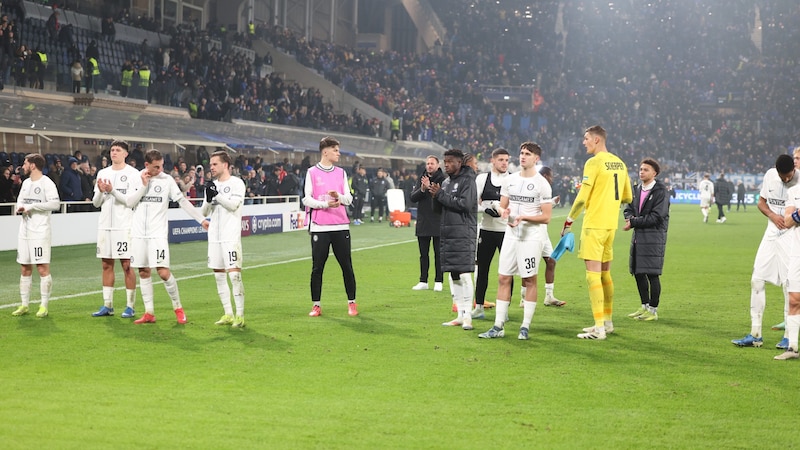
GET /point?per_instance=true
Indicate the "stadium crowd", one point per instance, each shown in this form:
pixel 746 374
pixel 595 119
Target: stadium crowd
pixel 648 72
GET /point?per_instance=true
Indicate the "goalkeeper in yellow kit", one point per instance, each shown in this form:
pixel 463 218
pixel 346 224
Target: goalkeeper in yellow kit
pixel 605 186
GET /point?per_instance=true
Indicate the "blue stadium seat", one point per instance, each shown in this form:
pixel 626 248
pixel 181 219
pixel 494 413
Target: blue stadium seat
pixel 15 159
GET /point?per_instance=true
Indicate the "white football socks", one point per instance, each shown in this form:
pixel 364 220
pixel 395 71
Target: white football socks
pixel 25 286
pixel 130 297
pixel 172 290
pixel 108 296
pixel 224 291
pixel 758 301
pixel 146 286
pixel 527 313
pixel 501 312
pixel 45 286
pixel 793 327
pixel 238 291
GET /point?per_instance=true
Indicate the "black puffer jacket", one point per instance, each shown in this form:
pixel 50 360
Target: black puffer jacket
pixel 649 241
pixel 429 221
pixel 458 200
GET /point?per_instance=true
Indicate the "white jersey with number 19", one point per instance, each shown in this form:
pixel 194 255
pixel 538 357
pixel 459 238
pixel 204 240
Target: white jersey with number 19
pixel 225 211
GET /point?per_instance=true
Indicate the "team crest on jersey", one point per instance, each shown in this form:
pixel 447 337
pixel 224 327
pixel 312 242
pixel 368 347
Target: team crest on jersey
pixel 157 189
pixel 37 190
pixel 123 178
pixel 226 189
pixel 530 186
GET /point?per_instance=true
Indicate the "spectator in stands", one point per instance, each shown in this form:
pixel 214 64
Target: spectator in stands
pixel 87 183
pixel 92 51
pixel 80 156
pixel 289 183
pixel 271 184
pixel 7 191
pixel 138 155
pixel 108 30
pixel 20 63
pixel 70 187
pixel 17 7
pixel 53 26
pixel 189 184
pixel 77 76
pixel 56 169
pixel 183 168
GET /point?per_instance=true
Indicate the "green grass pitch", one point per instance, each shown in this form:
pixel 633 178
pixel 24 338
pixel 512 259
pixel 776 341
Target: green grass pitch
pixel 393 377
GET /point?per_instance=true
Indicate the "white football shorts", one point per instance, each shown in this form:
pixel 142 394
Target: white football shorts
pixel 33 251
pixel 114 244
pixel 225 255
pixel 547 249
pixel 149 252
pixel 520 257
pixel 772 260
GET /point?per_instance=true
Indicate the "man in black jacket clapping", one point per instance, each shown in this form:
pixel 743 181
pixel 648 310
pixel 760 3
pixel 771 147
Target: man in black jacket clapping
pixel 428 224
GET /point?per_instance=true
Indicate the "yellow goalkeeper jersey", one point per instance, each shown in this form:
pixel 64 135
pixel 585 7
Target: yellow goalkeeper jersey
pixel 605 185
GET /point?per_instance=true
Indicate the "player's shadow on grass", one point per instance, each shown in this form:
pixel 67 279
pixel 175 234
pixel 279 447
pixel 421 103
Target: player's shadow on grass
pixel 36 327
pixel 367 324
pixel 192 337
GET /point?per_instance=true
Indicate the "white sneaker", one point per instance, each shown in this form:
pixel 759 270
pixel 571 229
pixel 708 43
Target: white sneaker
pixel 790 353
pixel 723 219
pixel 609 326
pixel 420 287
pixel 467 325
pixel 594 334
pixel 478 313
pixel 549 300
pixel 437 287
pixel 453 323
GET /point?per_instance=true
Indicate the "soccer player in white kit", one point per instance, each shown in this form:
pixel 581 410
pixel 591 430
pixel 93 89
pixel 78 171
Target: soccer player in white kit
pixel 772 259
pixel 792 319
pixel 526 202
pixel 38 197
pixel 150 233
pixel 115 184
pixel 706 189
pixel 223 204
